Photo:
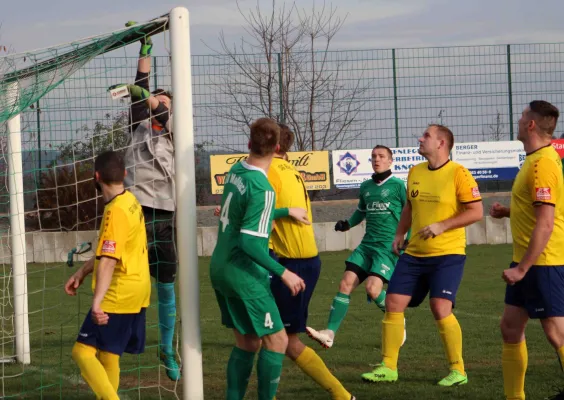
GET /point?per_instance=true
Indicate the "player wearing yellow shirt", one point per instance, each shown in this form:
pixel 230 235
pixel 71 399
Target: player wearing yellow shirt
pixel 293 245
pixel 535 278
pixel 121 283
pixel 442 199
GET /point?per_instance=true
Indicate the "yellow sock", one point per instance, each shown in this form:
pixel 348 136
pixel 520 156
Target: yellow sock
pixel 313 366
pixel 561 356
pixel 392 338
pixel 451 334
pixel 514 364
pixel 93 372
pixel 110 362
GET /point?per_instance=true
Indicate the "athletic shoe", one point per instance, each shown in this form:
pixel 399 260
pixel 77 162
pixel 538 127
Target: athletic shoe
pixel 324 337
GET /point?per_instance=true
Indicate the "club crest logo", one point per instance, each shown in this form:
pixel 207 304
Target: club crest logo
pixel 385 192
pixel 348 163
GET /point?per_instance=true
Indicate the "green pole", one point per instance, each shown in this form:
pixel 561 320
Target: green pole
pixel 510 92
pixel 38 117
pixel 280 90
pixel 155 81
pixel 395 96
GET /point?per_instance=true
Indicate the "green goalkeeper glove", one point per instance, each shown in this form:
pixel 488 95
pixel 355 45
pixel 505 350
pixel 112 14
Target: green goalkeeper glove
pixel 137 93
pixel 146 42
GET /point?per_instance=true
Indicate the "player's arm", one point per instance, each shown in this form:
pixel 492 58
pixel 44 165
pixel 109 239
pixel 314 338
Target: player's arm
pixel 138 109
pixel 356 218
pixel 104 275
pixel 544 184
pixel 78 277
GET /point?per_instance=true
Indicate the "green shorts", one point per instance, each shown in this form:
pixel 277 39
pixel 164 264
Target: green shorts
pixel 372 261
pixel 259 316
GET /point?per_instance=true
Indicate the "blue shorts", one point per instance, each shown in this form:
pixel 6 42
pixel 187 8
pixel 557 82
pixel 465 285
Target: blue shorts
pixel 294 309
pixel 540 292
pixel 123 333
pixel 440 276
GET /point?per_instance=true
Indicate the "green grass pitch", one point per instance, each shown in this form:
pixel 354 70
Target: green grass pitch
pixel 55 319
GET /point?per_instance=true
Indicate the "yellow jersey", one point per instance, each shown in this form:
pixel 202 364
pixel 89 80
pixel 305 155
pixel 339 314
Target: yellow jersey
pixel 123 237
pixel 436 195
pixel 291 239
pixel 538 182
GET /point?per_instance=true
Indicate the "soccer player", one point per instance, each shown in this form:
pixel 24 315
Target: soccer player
pixel 149 160
pixel 121 284
pixel 240 266
pixel 293 245
pixel 535 277
pixel 442 199
pixel 381 201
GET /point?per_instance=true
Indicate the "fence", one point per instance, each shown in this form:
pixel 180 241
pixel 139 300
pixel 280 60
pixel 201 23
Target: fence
pixel 478 92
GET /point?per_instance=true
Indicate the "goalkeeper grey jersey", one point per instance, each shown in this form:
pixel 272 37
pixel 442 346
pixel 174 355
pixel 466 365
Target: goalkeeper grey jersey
pixel 149 161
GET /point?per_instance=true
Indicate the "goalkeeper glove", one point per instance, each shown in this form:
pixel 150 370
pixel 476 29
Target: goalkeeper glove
pixel 342 226
pixel 146 42
pixel 137 93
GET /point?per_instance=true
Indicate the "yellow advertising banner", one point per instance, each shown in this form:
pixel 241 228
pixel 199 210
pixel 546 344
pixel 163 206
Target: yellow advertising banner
pixel 312 165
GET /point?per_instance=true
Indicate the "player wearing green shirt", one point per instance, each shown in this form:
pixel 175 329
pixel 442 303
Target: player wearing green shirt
pixel 381 201
pixel 240 266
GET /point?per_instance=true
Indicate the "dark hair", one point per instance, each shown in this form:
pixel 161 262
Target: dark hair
pixel 265 134
pixel 286 138
pixel 379 146
pixel 446 134
pixel 162 92
pixel 545 115
pixel 111 167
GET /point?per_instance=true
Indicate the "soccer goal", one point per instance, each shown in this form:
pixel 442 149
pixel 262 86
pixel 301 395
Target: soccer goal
pixel 56 115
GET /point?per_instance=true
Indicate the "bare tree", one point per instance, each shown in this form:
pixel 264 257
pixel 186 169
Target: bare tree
pixel 496 130
pixel 282 69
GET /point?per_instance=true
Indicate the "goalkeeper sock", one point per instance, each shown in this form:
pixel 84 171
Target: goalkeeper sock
pixel 451 334
pixel 269 369
pixel 392 338
pixel 381 300
pixel 339 309
pixel 514 360
pixel 239 370
pixel 310 362
pixel 167 314
pixel 110 362
pixel 93 372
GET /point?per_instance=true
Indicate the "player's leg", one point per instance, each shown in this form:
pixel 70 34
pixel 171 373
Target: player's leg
pixel 514 356
pixel 93 371
pixel 356 269
pixel 407 287
pixel 444 281
pixel 294 313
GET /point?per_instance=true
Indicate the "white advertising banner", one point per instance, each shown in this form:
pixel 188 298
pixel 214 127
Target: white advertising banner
pixel 490 160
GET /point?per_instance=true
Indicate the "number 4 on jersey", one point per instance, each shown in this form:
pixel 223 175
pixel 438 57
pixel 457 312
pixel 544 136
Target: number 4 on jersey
pixel 224 218
pixel 268 321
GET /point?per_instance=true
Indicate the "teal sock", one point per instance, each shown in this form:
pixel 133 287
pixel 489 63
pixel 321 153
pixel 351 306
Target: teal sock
pixel 167 314
pixel 381 300
pixel 239 370
pixel 269 369
pixel 339 309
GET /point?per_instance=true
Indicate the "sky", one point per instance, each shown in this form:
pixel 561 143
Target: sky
pixel 370 24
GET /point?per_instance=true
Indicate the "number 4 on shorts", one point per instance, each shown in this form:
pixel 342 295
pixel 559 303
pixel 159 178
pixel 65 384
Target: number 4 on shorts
pixel 268 321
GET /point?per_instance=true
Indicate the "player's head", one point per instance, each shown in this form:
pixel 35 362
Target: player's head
pixel 381 159
pixel 436 140
pixel 538 118
pixel 165 103
pixel 265 134
pixel 109 169
pixel 286 139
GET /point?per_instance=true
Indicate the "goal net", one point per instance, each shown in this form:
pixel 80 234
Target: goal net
pixel 56 115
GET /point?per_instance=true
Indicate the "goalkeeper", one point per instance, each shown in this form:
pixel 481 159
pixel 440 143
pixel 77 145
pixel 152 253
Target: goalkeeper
pixel 381 201
pixel 149 160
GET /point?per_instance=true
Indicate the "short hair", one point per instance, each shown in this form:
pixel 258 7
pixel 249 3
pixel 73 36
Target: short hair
pixel 446 133
pixel 388 150
pixel 286 138
pixel 265 134
pixel 111 167
pixel 159 92
pixel 545 115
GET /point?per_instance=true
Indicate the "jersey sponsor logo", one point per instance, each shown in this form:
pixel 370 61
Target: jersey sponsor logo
pixel 377 206
pixel 109 246
pixel 543 194
pixel 414 193
pixel 475 192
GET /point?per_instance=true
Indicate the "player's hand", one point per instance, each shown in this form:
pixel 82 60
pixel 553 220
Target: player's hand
pixel 398 244
pixel 98 316
pixel 299 214
pixel 217 211
pixel 431 231
pixel 498 211
pixel 342 226
pixel 293 282
pixel 73 283
pixel 513 275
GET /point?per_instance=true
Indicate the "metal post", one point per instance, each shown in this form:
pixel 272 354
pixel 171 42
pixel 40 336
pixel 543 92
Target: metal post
pixel 395 96
pixel 510 92
pixel 155 79
pixel 39 165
